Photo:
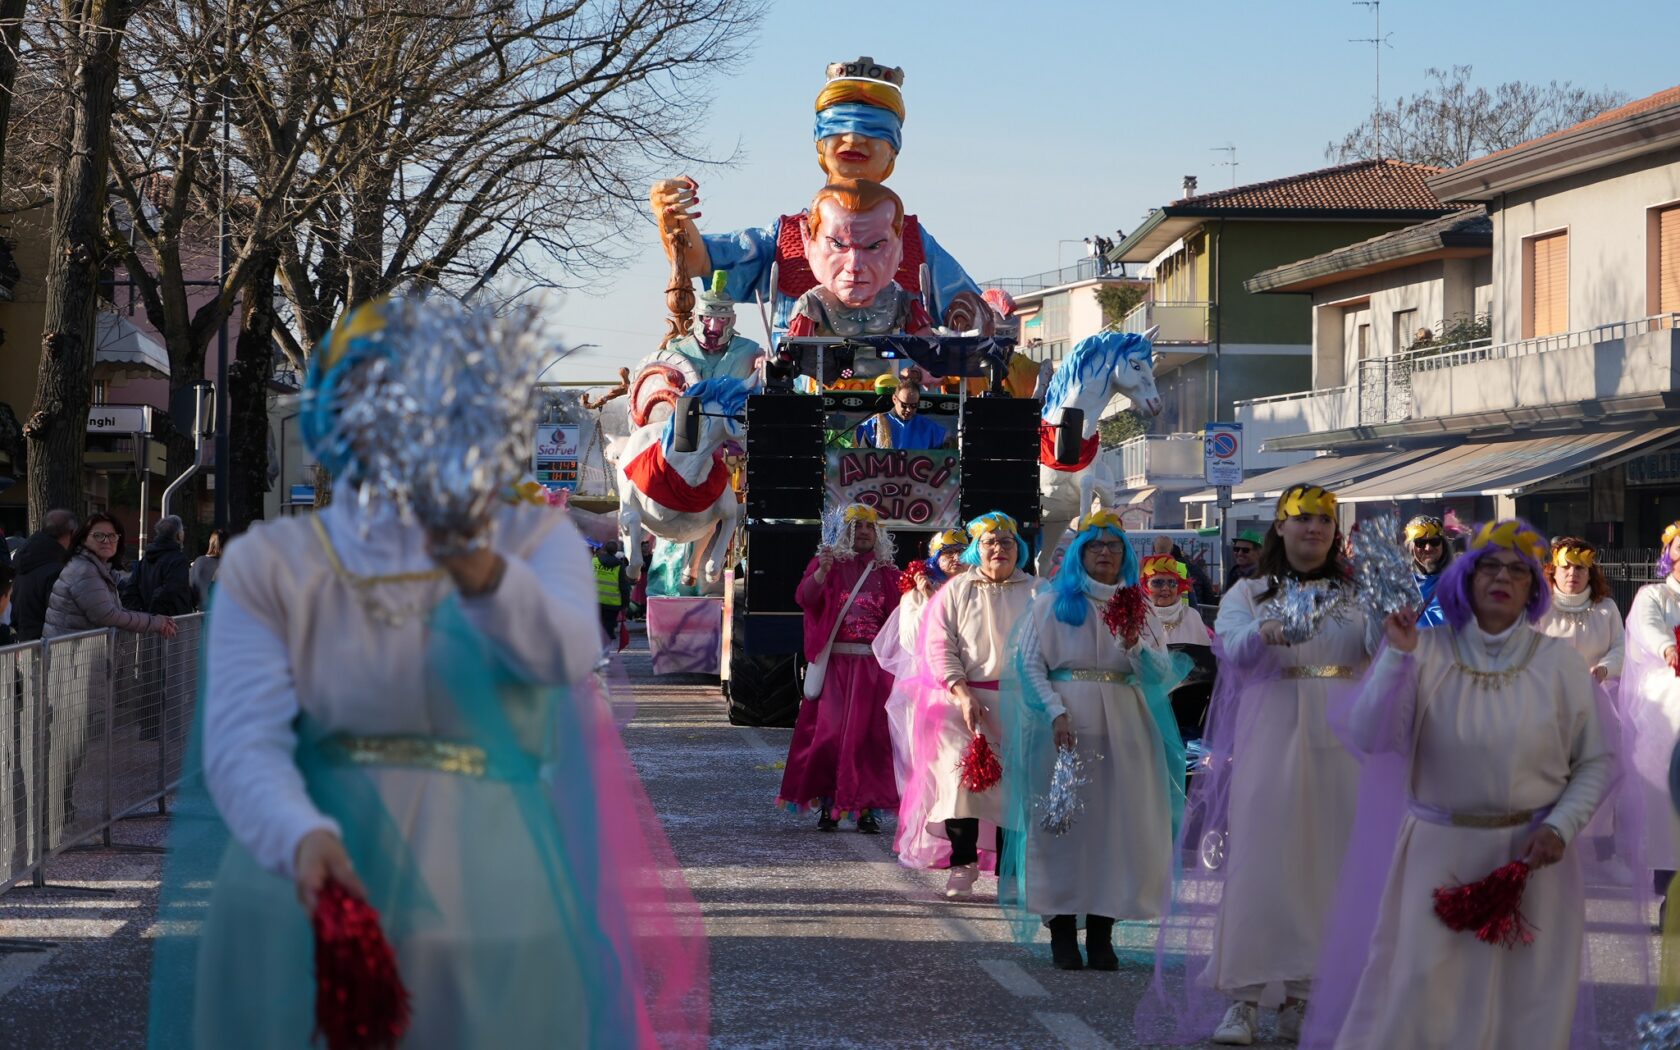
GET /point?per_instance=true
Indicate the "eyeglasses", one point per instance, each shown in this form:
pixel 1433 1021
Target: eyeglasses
pixel 102 537
pixel 1111 546
pixel 1493 568
pixel 998 541
pixel 1161 583
pixel 1434 541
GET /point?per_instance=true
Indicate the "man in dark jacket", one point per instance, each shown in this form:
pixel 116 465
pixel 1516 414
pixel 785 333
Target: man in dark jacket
pixel 37 564
pixel 164 573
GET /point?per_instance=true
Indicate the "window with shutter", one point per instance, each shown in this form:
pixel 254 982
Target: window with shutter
pixel 1546 285
pixel 1667 258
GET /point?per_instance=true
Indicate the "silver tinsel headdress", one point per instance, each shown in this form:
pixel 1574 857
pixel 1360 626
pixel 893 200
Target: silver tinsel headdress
pixel 427 406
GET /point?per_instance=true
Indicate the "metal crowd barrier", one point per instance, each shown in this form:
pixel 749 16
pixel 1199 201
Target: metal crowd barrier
pixel 93 728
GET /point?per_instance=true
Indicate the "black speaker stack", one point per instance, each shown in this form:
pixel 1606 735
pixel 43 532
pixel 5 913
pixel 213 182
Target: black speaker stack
pixel 1000 445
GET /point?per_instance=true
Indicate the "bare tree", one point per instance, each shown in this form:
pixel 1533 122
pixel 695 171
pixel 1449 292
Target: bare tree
pixel 1453 121
pixel 89 38
pixel 515 147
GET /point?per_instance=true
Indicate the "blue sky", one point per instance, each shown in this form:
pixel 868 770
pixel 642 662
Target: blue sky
pixel 1031 123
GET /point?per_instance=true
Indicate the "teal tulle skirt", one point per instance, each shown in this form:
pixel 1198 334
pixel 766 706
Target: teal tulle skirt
pixel 533 905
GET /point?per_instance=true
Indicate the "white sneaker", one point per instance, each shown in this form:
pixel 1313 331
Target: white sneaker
pixel 961 880
pixel 1290 1016
pixel 1237 1029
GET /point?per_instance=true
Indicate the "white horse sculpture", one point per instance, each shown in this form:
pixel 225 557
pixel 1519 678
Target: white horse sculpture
pixel 682 496
pixel 1100 366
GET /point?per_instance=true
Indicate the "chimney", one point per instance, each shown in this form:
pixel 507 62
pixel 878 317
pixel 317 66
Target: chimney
pixel 1189 185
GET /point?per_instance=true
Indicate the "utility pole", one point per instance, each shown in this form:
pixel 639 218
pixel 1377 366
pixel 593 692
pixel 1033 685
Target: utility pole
pixel 1377 42
pixel 1230 160
pixel 223 402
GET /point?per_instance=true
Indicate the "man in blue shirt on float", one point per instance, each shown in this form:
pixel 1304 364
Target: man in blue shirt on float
pixel 900 426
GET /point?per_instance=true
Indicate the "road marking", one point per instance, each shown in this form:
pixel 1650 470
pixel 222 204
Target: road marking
pixel 1071 1032
pixel 15 968
pixel 1015 981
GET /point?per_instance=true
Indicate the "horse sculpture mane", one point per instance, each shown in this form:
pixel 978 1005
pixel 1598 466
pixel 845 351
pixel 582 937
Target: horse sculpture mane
pixel 1092 357
pixel 725 394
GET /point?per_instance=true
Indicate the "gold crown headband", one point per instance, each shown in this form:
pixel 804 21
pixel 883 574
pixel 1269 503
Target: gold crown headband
pixel 993 522
pixel 1513 537
pixel 1574 556
pixel 1306 499
pixel 1669 534
pixel 1424 530
pixel 860 512
pixel 948 538
pixel 1102 519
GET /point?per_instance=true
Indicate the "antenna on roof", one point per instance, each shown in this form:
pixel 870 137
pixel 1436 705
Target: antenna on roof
pixel 1377 42
pixel 1230 160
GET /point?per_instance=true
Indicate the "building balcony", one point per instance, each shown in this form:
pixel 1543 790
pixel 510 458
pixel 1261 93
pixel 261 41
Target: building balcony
pixel 1161 460
pixel 1181 324
pixel 1609 363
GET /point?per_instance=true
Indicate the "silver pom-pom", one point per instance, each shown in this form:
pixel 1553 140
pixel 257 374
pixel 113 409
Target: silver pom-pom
pixel 1382 569
pixel 1064 801
pixel 1302 607
pixel 1661 1030
pixel 441 425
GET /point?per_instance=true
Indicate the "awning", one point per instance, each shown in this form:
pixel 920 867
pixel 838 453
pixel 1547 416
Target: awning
pixel 1505 468
pixel 1143 495
pixel 1331 472
pixel 122 350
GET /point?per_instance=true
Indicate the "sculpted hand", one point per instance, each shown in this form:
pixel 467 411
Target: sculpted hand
pixel 1401 630
pixel 320 856
pixel 673 200
pixel 1063 729
pixel 1544 846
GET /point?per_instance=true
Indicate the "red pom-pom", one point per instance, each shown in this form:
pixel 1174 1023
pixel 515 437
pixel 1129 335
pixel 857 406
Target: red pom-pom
pixel 360 1001
pixel 1490 908
pixel 909 578
pixel 979 769
pixel 1126 613
pixel 1677 643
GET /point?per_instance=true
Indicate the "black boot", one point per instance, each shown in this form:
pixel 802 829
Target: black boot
pixel 1099 943
pixel 1064 943
pixel 868 823
pixel 825 821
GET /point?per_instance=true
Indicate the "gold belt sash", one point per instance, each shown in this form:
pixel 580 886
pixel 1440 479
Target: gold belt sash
pixel 418 752
pixel 1321 671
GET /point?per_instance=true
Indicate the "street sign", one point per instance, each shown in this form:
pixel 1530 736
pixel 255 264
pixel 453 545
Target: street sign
pixel 557 454
pixel 1222 459
pixel 119 419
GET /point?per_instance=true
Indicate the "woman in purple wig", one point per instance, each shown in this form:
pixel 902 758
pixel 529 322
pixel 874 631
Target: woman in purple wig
pixel 1501 757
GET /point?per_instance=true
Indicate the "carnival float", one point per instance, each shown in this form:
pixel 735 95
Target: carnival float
pixel 885 377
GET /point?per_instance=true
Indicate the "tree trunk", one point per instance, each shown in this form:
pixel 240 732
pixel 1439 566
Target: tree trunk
pixel 57 427
pixel 248 398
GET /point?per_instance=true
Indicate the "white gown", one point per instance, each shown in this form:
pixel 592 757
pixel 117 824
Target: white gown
pixel 1530 742
pixel 1292 800
pixel 1652 706
pixel 1116 859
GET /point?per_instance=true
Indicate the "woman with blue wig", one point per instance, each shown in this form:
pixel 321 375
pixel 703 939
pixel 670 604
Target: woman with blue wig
pixel 400 704
pixel 1483 738
pixel 962 653
pixel 1076 686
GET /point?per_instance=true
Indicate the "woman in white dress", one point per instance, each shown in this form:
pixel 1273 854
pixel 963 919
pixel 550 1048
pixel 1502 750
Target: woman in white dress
pixel 1501 759
pixel 1078 684
pixel 1165 581
pixel 964 652
pixel 1582 612
pixel 1273 802
pixel 411 714
pixel 1650 702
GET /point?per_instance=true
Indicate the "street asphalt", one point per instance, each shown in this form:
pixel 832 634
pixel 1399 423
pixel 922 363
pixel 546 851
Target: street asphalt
pixel 816 940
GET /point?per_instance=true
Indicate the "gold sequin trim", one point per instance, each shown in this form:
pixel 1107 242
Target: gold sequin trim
pixel 420 752
pixel 1087 674
pixel 1321 671
pixel 1492 820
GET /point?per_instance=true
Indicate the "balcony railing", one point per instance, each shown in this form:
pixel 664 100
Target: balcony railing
pixel 1180 323
pixel 1431 359
pixel 1152 459
pixel 1084 270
